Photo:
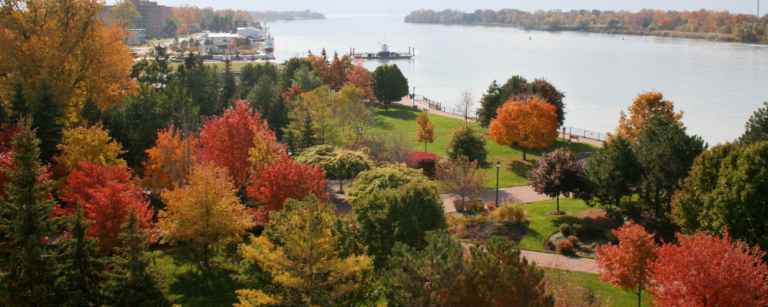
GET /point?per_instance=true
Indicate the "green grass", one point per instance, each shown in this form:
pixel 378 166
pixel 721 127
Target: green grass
pixel 402 119
pixel 190 285
pixel 614 296
pixel 236 66
pixel 544 225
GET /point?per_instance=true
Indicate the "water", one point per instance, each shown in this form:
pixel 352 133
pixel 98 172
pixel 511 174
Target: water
pixel 718 85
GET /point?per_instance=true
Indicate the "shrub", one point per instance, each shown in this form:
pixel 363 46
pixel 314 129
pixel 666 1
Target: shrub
pixel 475 206
pixel 579 229
pixel 565 247
pixel 391 176
pixel 508 212
pixel 573 239
pixel 565 229
pixel 610 236
pixel 550 245
pixel 425 161
pixel 468 141
pixel 490 206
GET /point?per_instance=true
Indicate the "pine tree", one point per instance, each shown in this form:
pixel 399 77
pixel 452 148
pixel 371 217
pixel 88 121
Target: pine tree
pixel 47 113
pixel 90 112
pixel 229 86
pixel 133 282
pixel 28 277
pixel 79 270
pixel 3 112
pixel 19 106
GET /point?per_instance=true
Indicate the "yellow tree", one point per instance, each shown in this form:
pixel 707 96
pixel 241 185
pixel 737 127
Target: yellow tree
pixel 299 252
pixel 66 41
pixel 425 132
pixel 207 211
pixel 531 123
pixel 89 145
pixel 170 161
pixel 123 14
pixel 265 150
pixel 645 106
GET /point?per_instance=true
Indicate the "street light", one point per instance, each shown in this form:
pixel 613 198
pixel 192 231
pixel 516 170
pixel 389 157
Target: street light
pixel 498 166
pixel 563 132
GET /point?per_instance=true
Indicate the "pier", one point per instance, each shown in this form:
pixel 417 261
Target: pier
pixel 384 54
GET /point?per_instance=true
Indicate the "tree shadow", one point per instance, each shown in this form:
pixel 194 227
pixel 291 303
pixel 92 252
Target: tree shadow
pixel 565 219
pixel 211 287
pixel 520 167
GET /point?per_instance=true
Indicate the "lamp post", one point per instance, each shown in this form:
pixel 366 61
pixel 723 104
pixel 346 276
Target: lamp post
pixel 498 166
pixel 361 134
pixel 413 99
pixel 563 133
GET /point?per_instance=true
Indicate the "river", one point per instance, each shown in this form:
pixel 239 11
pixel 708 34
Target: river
pixel 718 85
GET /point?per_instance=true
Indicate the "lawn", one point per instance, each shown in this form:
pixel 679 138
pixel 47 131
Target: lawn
pixel 544 225
pixel 236 66
pixel 402 119
pixel 191 286
pixel 609 294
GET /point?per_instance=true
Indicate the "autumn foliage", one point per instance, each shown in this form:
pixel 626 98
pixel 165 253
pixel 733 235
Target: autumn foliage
pixel 227 140
pixel 93 145
pixel 531 123
pixel 626 265
pixel 282 180
pixel 425 132
pixel 360 77
pixel 106 194
pixel 169 161
pixel 645 106
pixel 709 271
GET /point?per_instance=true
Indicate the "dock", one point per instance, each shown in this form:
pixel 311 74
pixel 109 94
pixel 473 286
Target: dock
pixel 384 54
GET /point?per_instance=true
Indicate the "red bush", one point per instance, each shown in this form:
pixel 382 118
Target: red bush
pixel 565 247
pixel 573 240
pixel 424 161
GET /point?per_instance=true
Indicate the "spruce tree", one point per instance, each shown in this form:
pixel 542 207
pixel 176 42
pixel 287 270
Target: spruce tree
pixel 79 269
pixel 19 105
pixel 90 112
pixel 28 271
pixel 3 112
pixel 229 86
pixel 133 282
pixel 47 112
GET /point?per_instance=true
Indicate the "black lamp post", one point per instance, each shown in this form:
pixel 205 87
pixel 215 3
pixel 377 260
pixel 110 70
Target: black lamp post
pixel 498 166
pixel 563 133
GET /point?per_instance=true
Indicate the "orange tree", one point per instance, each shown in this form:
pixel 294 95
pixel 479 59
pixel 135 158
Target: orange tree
pixel 66 41
pixel 425 132
pixel 645 106
pixel 531 123
pixel 709 271
pixel 626 265
pixel 170 161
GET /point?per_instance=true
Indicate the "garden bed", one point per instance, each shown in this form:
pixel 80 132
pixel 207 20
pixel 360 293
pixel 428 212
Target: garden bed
pixel 480 228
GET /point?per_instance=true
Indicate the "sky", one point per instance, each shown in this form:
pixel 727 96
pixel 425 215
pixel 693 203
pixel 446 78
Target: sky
pixel 403 7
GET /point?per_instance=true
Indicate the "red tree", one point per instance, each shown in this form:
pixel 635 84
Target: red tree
pixel 282 180
pixel 625 265
pixel 106 194
pixel 360 77
pixel 709 271
pixel 225 140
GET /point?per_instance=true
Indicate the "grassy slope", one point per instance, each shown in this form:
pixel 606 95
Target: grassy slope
pixel 544 225
pixel 403 120
pixel 611 295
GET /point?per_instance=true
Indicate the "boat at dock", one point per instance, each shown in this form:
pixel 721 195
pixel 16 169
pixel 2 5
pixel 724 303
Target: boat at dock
pixel 384 54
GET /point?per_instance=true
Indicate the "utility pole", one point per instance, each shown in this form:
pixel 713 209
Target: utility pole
pixel 758 9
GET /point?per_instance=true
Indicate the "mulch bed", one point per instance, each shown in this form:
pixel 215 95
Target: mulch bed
pixel 555 212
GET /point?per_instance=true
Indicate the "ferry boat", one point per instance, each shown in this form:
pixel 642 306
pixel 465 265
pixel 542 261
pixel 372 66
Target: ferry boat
pixel 384 54
pixel 269 41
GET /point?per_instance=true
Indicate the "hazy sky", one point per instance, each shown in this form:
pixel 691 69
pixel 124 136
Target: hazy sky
pixel 403 7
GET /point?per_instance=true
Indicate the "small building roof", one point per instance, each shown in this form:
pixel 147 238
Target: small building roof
pixel 223 35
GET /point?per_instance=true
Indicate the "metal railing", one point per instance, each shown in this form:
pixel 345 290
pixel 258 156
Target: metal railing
pixel 584 133
pixel 434 105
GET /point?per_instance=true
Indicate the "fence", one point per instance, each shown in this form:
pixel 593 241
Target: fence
pixel 434 105
pixel 585 133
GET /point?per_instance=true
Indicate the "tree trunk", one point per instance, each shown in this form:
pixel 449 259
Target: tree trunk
pixel 524 159
pixel 639 293
pixel 425 146
pixel 558 203
pixel 341 186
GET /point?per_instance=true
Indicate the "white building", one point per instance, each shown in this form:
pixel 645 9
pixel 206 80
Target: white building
pixel 250 32
pixel 136 37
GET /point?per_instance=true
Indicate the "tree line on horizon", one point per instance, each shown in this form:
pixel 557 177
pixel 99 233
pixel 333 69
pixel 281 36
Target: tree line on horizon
pixel 722 24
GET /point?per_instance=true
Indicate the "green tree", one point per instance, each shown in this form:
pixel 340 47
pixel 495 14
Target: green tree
pixel 124 13
pixel 307 79
pixel 666 154
pixel 267 99
pixel 756 127
pixel 18 102
pixel 133 281
pixel 250 74
pixel 612 173
pixel 203 83
pixel 402 214
pixel 612 23
pixel 337 163
pixel 299 254
pixel 28 277
pixel 390 176
pixel 228 86
pixel 498 95
pixel 439 275
pixel 694 207
pixel 389 84
pixel 299 134
pixel 47 120
pixel 79 270
pixel 90 112
pixel 468 141
pixel 288 73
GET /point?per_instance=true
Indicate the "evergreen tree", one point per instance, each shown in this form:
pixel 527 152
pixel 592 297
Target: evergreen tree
pixel 498 95
pixel 19 105
pixel 28 277
pixel 47 115
pixel 229 86
pixel 79 270
pixel 3 113
pixel 90 112
pixel 203 83
pixel 612 173
pixel 468 141
pixel 133 281
pixel 291 67
pixel 300 132
pixel 757 127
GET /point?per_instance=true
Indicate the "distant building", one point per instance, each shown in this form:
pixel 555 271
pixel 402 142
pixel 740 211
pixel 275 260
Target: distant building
pixel 137 37
pixel 250 32
pixel 221 42
pixel 154 17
